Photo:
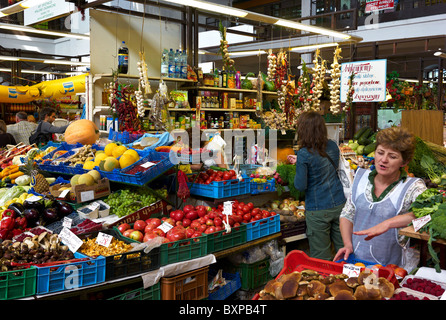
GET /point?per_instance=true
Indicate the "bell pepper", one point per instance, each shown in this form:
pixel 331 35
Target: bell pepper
pixel 16 232
pixel 7 223
pixel 4 234
pixel 21 222
pixel 9 213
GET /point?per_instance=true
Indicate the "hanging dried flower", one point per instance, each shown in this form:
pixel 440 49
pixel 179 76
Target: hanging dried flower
pixel 335 101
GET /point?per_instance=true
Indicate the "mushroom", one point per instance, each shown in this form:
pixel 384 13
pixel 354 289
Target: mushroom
pixel 352 282
pixel 362 293
pixel 337 286
pixel 371 281
pixel 295 276
pixel 289 288
pixel 315 287
pixel 345 295
pixel 386 287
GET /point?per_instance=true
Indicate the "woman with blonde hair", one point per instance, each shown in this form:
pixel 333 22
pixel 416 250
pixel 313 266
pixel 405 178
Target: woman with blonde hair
pixel 380 202
pixel 5 137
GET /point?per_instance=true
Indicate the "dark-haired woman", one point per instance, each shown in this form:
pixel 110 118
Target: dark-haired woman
pixel 324 194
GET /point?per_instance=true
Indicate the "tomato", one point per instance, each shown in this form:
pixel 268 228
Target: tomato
pixel 239 212
pixel 250 205
pixel 256 211
pixel 209 171
pixel 247 217
pixel 186 222
pixel 187 208
pixel 246 209
pixel 227 175
pixel 258 216
pixel 149 236
pixel 218 222
pixel 266 214
pixel 208 181
pixel 218 179
pixel 232 173
pixel 195 225
pixel 190 232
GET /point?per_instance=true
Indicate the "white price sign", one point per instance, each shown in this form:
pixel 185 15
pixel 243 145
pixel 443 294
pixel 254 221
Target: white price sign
pixel 104 239
pixel 351 270
pixel 70 239
pixel 165 226
pixel 87 196
pixel 67 222
pixel 227 208
pixel 420 222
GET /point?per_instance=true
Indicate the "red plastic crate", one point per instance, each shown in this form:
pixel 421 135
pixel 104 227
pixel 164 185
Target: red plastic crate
pixel 297 260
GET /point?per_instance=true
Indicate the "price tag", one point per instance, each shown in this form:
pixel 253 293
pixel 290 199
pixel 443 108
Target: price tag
pixel 420 222
pixel 351 270
pixel 64 193
pixel 148 164
pixel 104 239
pixel 87 196
pixel 165 226
pixel 93 206
pixel 227 208
pixel 70 239
pixel 33 198
pixel 67 222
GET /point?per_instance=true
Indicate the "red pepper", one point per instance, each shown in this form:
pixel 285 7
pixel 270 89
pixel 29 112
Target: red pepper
pixel 9 213
pixel 16 232
pixel 4 234
pixel 21 222
pixel 7 223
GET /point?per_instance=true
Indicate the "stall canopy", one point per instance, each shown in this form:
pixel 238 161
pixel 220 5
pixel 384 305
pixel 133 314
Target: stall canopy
pixel 47 89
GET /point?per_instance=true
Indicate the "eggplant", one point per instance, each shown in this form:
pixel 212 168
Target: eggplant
pixel 38 205
pixel 17 207
pixel 63 208
pixel 50 215
pixel 32 215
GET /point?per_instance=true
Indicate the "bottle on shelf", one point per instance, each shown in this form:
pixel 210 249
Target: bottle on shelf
pixel 224 78
pixel 165 64
pixel 123 59
pixel 238 80
pixel 177 64
pixel 216 77
pixel 171 63
pixel 183 65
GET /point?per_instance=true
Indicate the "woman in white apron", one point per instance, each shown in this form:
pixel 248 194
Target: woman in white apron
pixel 380 201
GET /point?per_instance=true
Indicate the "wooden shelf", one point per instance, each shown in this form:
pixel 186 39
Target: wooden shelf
pixel 220 109
pixel 234 90
pixel 130 76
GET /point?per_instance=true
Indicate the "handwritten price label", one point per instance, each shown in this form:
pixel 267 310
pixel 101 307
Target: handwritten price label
pixel 70 239
pixel 104 239
pixel 420 222
pixel 351 270
pixel 165 226
pixel 227 208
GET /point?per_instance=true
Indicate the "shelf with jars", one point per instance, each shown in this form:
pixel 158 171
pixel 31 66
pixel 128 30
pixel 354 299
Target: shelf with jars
pixel 9 110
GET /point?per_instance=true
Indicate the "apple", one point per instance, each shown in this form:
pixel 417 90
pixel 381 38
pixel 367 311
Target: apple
pixel 186 222
pixel 400 272
pixel 187 208
pixel 192 215
pixel 123 226
pixel 177 215
pixel 137 235
pixel 190 232
pixel 209 230
pixel 196 234
pixel 149 236
pixel 202 228
pixel 218 222
pixel 195 224
pixel 159 232
pixel 201 211
pixel 127 233
pixel 209 222
pixel 149 228
pixel 139 225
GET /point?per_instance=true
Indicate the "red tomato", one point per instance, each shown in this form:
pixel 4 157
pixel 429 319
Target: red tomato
pixel 250 205
pixel 247 217
pixel 226 175
pixel 246 209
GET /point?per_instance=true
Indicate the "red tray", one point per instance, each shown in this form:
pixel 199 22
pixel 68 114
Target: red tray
pixel 297 260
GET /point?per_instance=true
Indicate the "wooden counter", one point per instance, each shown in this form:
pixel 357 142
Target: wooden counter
pixel 411 233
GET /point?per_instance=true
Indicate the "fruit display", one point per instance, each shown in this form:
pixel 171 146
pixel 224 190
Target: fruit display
pixel 403 295
pixel 7 155
pixel 82 131
pixel 91 248
pixel 424 285
pixel 210 175
pixel 311 285
pixel 127 201
pixel 290 210
pixel 191 222
pixel 35 247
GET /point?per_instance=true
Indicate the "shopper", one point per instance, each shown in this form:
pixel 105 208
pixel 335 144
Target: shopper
pixel 316 176
pixel 380 201
pixel 5 137
pixel 47 116
pixel 31 119
pixel 22 129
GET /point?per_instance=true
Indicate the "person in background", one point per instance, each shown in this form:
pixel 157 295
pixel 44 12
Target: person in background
pixel 22 129
pixel 5 137
pixel 47 117
pixel 380 201
pixel 316 176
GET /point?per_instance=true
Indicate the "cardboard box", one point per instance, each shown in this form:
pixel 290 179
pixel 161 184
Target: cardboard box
pixel 84 193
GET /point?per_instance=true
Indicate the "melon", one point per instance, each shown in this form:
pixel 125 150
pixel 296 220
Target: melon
pixel 109 164
pixel 86 179
pixel 82 131
pixel 118 151
pixel 109 148
pixel 126 160
pixel 88 165
pixel 95 174
pixel 133 153
pixel 74 180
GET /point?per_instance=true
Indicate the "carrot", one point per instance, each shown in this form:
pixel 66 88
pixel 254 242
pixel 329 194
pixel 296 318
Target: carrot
pixel 15 175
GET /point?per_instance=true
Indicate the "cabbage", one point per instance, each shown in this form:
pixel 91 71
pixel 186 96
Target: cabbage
pixel 23 180
pixel 10 194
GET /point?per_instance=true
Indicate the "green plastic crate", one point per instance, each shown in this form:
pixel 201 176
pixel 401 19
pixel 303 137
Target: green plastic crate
pixel 182 250
pixel 17 284
pixel 150 293
pixel 221 240
pixel 254 275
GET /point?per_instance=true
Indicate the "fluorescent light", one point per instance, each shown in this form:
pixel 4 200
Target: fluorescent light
pixel 215 8
pixel 66 62
pixel 247 53
pixel 46 61
pixel 7 58
pixel 309 28
pixel 440 54
pixel 19 6
pixel 31 71
pixel 40 31
pixel 315 46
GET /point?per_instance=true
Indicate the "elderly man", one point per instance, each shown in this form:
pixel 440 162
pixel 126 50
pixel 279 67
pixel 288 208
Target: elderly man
pixel 22 129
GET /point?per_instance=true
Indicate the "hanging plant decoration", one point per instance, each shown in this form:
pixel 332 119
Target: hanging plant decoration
pixel 227 61
pixel 335 100
pixel 318 80
pixel 272 63
pixel 123 107
pixel 350 92
pixel 281 77
pixel 159 112
pixel 302 99
pixel 144 88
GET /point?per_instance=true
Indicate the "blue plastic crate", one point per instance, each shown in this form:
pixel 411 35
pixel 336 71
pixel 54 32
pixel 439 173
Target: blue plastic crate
pixel 123 137
pixel 247 169
pixel 221 189
pixel 233 283
pixel 70 275
pixel 263 227
pixel 352 259
pixel 144 177
pixel 63 146
pixel 260 187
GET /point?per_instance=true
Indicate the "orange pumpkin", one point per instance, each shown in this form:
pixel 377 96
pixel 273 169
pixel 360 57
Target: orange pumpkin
pixel 283 153
pixel 83 131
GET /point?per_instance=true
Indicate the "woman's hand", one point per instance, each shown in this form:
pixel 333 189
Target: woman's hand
pixel 292 159
pixel 375 231
pixel 343 253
